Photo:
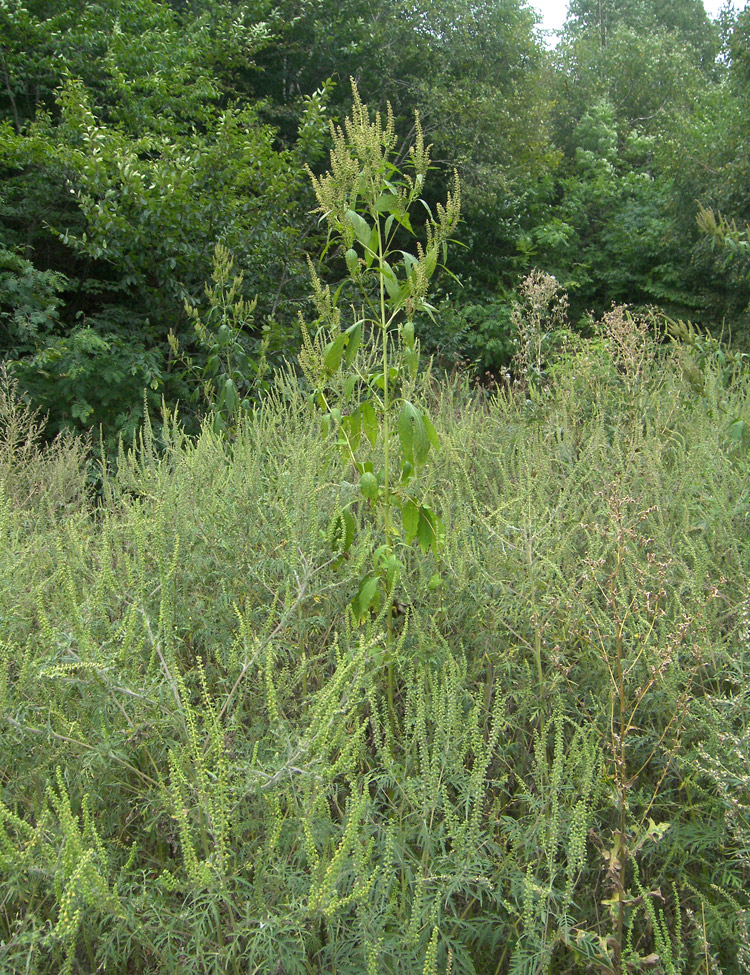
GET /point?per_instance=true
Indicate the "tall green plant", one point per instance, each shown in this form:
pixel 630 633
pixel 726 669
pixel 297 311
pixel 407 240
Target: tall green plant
pixel 367 202
pixel 232 363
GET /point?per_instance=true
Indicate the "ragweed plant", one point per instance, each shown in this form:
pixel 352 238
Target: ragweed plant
pixel 366 201
pixel 541 312
pixel 631 340
pixel 67 849
pixel 251 807
pixel 233 365
pixel 642 658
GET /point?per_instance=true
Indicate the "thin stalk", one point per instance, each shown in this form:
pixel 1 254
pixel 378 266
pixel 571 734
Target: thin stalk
pixel 9 92
pixel 81 744
pixel 386 399
pixel 537 632
pixel 620 755
pixel 387 522
pixel 621 788
pixel 705 938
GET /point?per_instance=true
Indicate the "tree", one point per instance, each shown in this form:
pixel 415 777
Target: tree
pixel 686 19
pixel 704 155
pixel 475 72
pixel 629 77
pixel 123 164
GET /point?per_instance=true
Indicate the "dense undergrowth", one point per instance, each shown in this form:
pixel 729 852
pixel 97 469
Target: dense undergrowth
pixel 200 768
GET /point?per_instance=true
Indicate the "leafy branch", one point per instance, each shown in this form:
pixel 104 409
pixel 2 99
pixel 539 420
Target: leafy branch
pixel 367 203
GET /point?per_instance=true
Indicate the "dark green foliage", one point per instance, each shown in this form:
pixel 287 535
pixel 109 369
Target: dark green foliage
pixel 30 300
pixel 473 71
pixel 138 135
pixel 124 163
pixel 686 19
pixel 475 333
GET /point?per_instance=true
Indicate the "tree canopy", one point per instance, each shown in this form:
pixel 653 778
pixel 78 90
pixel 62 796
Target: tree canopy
pixel 137 135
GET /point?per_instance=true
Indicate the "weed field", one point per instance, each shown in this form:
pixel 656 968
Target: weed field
pixel 532 756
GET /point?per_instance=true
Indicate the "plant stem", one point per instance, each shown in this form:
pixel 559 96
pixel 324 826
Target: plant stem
pixel 620 755
pixel 387 522
pixel 386 399
pixel 537 631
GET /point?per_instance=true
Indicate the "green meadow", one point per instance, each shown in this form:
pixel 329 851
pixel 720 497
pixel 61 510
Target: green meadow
pixel 534 757
pixel 374 488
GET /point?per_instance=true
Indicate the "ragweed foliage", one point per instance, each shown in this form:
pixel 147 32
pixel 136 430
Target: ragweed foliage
pixel 367 203
pixel 208 766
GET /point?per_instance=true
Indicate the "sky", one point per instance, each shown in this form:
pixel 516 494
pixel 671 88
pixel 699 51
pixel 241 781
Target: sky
pixel 553 11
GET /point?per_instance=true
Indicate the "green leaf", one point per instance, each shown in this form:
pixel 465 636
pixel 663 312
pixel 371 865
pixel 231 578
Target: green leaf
pixel 387 203
pixel 368 486
pixel 372 244
pixel 410 517
pixel 381 553
pixel 230 396
pixel 391 281
pixel 412 433
pixel 334 352
pixel 81 410
pixel 369 422
pixel 431 431
pixel 408 334
pixel 362 229
pixel 403 219
pixel 410 262
pixel 411 360
pixel 351 425
pixel 353 341
pixel 352 261
pixel 436 581
pixel 391 567
pixel 427 531
pixel 366 597
pixel 349 529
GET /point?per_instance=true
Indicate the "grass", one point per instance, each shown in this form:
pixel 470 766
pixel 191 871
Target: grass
pixel 200 770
